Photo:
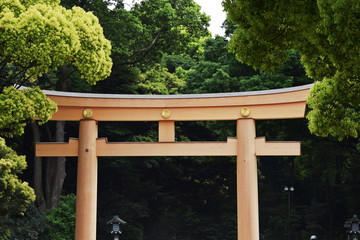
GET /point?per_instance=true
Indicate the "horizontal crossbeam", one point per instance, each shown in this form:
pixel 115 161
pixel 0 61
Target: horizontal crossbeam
pixel 270 104
pixel 121 149
pixel 285 148
pixel 55 149
pixel 275 111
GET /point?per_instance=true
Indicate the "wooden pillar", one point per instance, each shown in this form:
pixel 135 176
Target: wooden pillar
pixel 166 131
pixel 86 193
pixel 247 185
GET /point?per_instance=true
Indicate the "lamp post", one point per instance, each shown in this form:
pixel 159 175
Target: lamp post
pixel 313 237
pixel 115 222
pixel 352 226
pixel 289 190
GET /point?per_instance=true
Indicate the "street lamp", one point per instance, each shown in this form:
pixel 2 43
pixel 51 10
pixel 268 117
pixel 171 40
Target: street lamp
pixel 313 237
pixel 352 226
pixel 116 221
pixel 289 190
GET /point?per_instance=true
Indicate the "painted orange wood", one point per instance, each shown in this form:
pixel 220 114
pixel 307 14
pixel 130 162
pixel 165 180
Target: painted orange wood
pixel 276 111
pixel 167 149
pixel 198 107
pixel 69 149
pixel 250 100
pixel 272 104
pixel 264 148
pixel 86 192
pixel 247 185
pixel 166 131
pixel 105 102
pixel 197 100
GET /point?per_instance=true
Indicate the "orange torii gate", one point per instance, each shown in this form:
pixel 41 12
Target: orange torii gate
pixel 244 107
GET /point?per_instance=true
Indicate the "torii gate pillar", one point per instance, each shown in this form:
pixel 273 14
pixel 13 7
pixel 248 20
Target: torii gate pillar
pixel 86 192
pixel 247 187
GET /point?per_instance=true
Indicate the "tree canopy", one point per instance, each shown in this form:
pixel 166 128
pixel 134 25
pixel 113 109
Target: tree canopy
pixel 40 35
pixel 19 107
pixel 162 47
pixel 193 197
pixel 15 195
pixel 325 34
pixel 154 27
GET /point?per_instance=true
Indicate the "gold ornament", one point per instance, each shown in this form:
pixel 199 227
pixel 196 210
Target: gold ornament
pixel 245 112
pixel 165 113
pixel 87 113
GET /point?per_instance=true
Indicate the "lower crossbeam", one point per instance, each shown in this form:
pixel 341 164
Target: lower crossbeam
pixel 122 149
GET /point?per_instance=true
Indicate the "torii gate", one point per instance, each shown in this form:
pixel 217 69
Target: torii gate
pixel 244 107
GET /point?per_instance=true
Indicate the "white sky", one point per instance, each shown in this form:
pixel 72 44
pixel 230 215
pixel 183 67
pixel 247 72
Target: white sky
pixel 217 14
pixel 213 8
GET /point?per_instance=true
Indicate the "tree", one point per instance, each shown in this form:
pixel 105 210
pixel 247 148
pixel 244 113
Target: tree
pixel 17 108
pixel 38 37
pixel 15 195
pixel 141 36
pixel 159 81
pixel 155 27
pixel 219 71
pixel 323 33
pixel 61 219
pixel 26 227
pixel 172 62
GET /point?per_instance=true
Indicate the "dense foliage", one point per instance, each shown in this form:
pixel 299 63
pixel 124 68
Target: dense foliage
pixel 19 107
pixel 60 221
pixel 26 227
pixel 36 37
pixel 15 195
pixel 159 81
pixel 162 47
pixel 324 34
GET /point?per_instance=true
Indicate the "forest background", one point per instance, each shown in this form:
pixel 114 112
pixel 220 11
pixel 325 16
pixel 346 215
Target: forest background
pixel 163 47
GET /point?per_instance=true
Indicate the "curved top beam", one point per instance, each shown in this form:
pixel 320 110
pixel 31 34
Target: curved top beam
pixel 293 94
pixel 186 107
pixel 177 96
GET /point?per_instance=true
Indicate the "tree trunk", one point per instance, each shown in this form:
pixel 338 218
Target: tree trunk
pixel 38 187
pixel 54 167
pixel 55 171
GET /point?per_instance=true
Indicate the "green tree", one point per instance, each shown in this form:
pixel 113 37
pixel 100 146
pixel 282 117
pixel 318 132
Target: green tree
pixel 61 219
pixel 172 62
pixel 162 26
pixel 15 195
pixel 39 37
pixel 323 33
pixel 29 226
pixel 20 107
pixel 142 35
pixel 159 81
pixel 219 71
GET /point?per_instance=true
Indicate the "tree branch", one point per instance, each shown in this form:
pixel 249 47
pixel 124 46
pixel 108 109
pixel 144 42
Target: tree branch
pixel 127 63
pixel 4 62
pixel 67 73
pixel 150 46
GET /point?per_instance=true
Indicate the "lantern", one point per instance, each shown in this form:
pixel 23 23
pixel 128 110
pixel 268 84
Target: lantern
pixel 352 226
pixel 115 222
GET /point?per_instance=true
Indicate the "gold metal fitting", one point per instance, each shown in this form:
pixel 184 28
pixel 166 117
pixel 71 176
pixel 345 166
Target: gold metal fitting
pixel 245 112
pixel 87 113
pixel 165 113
